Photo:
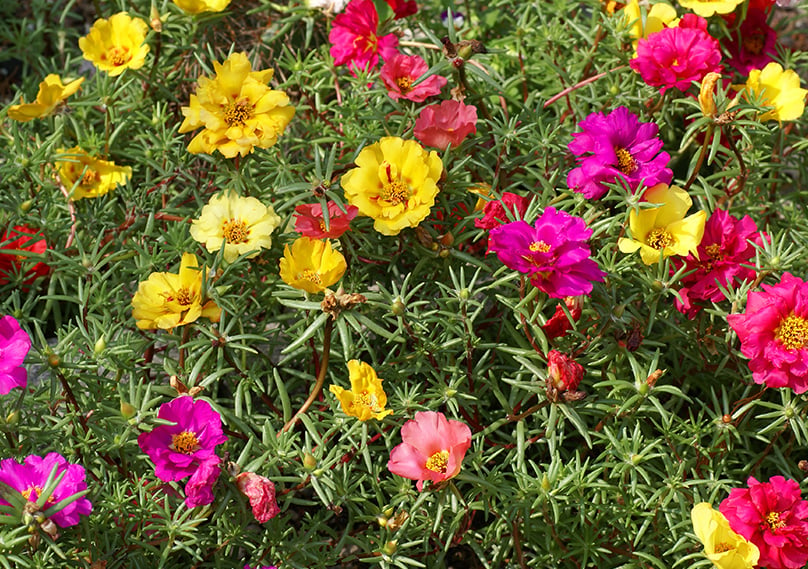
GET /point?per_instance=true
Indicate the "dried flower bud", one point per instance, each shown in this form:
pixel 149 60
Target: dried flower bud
pixel 706 94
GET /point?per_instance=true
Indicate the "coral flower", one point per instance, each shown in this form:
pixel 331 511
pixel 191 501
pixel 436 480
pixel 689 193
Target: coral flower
pixel 400 72
pixel 31 477
pixel 116 44
pixel 166 300
pixel 237 110
pixel 725 548
pixel 178 450
pixel 242 225
pixel 448 123
pixel 664 230
pixel 659 16
pixel 433 448
pixel 675 57
pixel 309 220
pixel 51 94
pixel 553 252
pixel 617 147
pixel 753 45
pixel 22 238
pixel 366 398
pixel 772 516
pixel 774 333
pixel 779 89
pixel 14 346
pixel 706 8
pixel 354 41
pixel 261 493
pixel 200 6
pixel 395 183
pixel 87 177
pixel 402 8
pixel 311 265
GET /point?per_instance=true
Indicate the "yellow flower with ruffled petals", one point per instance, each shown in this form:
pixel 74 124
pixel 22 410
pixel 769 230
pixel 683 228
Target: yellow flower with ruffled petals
pixel 166 300
pixel 86 177
pixel 779 89
pixel 366 398
pixel 51 94
pixel 237 109
pixel 311 265
pixel 116 44
pixel 706 8
pixel 664 230
pixel 660 15
pixel 199 6
pixel 395 183
pixel 725 548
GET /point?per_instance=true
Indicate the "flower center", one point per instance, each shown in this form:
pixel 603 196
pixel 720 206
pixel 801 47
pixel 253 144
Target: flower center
pixel 90 178
pixel 311 276
pixel 32 489
pixel 235 231
pixel 395 192
pixel 404 84
pixel 368 400
pixel 119 55
pixel 438 461
pixel 625 161
pixel 774 522
pixel 185 296
pixel 539 246
pixel 722 547
pixel 713 250
pixel 659 239
pixel 238 113
pixel 754 43
pixel 792 332
pixel 185 442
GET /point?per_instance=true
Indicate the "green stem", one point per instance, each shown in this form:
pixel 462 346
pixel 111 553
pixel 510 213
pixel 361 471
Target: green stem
pixel 321 372
pixel 707 136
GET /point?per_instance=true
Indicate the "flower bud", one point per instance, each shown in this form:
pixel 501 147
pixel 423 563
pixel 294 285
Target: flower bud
pixel 563 372
pixel 100 346
pixel 706 100
pixel 13 418
pixel 309 462
pixel 25 206
pixel 54 360
pixel 127 410
pixel 390 547
pixel 398 308
pixel 154 20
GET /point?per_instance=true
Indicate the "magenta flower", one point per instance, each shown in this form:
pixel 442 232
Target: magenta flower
pixel 354 41
pixel 14 346
pixel 400 72
pixel 30 479
pixel 178 450
pixel 448 123
pixel 753 46
pixel 617 147
pixel 724 247
pixel 554 253
pixel 773 516
pixel 675 57
pixel 433 448
pixel 199 488
pixel 774 333
pixel 309 220
pixel 261 493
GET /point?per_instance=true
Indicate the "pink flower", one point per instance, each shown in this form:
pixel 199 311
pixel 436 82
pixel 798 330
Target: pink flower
pixel 447 123
pixel 675 57
pixel 30 479
pixel 261 492
pixel 309 220
pixel 772 516
pixel 494 212
pixel 774 333
pixel 199 488
pixel 14 346
pixel 354 41
pixel 433 448
pixel 559 323
pixel 403 8
pixel 563 372
pixel 401 71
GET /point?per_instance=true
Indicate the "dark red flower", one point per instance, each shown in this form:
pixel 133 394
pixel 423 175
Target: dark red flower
pixel 558 325
pixel 403 8
pixel 22 238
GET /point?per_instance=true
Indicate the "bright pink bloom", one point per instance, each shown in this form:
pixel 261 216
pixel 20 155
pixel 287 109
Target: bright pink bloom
pixel 353 38
pixel 21 238
pixel 403 8
pixel 261 493
pixel 753 46
pixel 309 220
pixel 433 448
pixel 773 516
pixel 559 323
pixel 447 123
pixel 30 478
pixel 400 72
pixel 675 57
pixel 563 372
pixel 14 346
pixel 494 213
pixel 199 488
pixel 774 333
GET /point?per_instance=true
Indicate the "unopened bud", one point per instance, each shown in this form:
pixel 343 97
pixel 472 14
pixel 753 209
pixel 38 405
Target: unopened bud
pixel 390 547
pixel 381 520
pixel 398 308
pixel 464 294
pixel 13 418
pixel 154 20
pixel 803 465
pixel 26 205
pixel 53 360
pixel 545 483
pixel 309 462
pixel 444 253
pixel 100 345
pixel 127 410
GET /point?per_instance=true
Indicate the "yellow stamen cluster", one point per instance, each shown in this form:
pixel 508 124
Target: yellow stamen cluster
pixel 792 333
pixel 438 462
pixel 238 113
pixel 625 161
pixel 185 442
pixel 659 239
pixel 539 247
pixel 235 231
pixel 774 522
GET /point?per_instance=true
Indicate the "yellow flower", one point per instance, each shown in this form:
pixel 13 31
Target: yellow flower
pixel 366 398
pixel 395 183
pixel 311 265
pixel 116 44
pixel 706 93
pixel 51 94
pixel 89 177
pixel 167 300
pixel 725 548
pixel 243 224
pixel 482 190
pixel 664 230
pixel 237 110
pixel 706 8
pixel 779 89
pixel 199 6
pixel 659 16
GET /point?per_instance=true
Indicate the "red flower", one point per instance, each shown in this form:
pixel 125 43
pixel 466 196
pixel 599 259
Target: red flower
pixel 494 213
pixel 403 8
pixel 22 238
pixel 261 492
pixel 563 372
pixel 447 123
pixel 401 71
pixel 309 220
pixel 558 325
pixel 353 37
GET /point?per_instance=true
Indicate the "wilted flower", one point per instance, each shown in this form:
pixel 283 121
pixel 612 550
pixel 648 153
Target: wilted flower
pixel 433 448
pixel 779 89
pixel 21 238
pixel 399 74
pixel 14 346
pixel 366 398
pixel 237 110
pixel 199 488
pixel 707 94
pixel 311 265
pixel 402 8
pixel 87 177
pixel 116 44
pixel 261 493
pixel 199 6
pixel 563 372
pixel 448 123
pixel 353 38
pixel 310 222
pixel 706 8
pixel 51 94
pixel 725 548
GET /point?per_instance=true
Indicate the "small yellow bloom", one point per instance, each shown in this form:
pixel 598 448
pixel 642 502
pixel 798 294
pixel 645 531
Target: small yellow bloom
pixel 366 398
pixel 725 548
pixel 779 89
pixel 237 110
pixel 199 6
pixel 242 224
pixel 659 16
pixel 311 265
pixel 664 230
pixel 706 93
pixel 706 8
pixel 482 190
pixel 89 177
pixel 395 183
pixel 167 300
pixel 51 94
pixel 116 44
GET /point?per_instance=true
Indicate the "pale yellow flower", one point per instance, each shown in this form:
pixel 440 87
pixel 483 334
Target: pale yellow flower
pixel 725 548
pixel 706 8
pixel 311 265
pixel 199 6
pixel 779 89
pixel 86 177
pixel 366 398
pixel 116 44
pixel 51 94
pixel 236 109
